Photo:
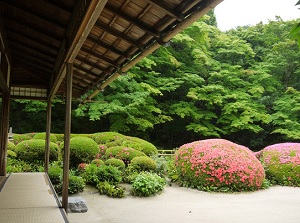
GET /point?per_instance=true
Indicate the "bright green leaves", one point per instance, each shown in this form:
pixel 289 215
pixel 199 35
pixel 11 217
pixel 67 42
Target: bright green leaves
pixel 287 113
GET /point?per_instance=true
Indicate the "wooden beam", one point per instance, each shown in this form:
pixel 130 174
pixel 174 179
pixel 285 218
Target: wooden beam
pixel 100 56
pixel 167 9
pixel 48 129
pixel 108 47
pixel 4 132
pixel 118 34
pixel 66 159
pixel 133 21
pixel 94 65
pixel 86 24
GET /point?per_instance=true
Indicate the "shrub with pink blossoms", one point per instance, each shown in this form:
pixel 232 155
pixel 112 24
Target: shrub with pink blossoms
pixel 218 165
pixel 282 163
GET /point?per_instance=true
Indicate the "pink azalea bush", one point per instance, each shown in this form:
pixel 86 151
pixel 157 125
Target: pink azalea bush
pixel 218 165
pixel 282 163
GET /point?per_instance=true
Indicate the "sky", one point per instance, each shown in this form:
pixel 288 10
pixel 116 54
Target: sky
pixel 233 13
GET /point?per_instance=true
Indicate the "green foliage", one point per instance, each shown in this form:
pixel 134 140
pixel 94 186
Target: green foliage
pixel 143 163
pixel 286 116
pixel 19 166
pixel 34 150
pixel 116 163
pixel 11 154
pixel 139 144
pixel 17 138
pixel 11 146
pixel 111 190
pixel 147 184
pixel 98 162
pixel 55 173
pixel 109 173
pixel 76 184
pixel 82 150
pixel 106 137
pixel 89 174
pixel 42 135
pixel 123 153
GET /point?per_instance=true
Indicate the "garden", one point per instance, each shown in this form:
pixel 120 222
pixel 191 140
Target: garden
pixel 109 160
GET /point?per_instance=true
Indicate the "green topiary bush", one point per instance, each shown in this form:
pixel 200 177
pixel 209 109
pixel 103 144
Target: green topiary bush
pixel 17 138
pixel 147 184
pixel 143 163
pixel 42 135
pixel 33 151
pixel 139 144
pixel 59 137
pixel 98 162
pixel 218 165
pixel 116 163
pixel 82 150
pixel 11 154
pixel 282 163
pixel 123 153
pixel 106 137
pixel 11 146
pixel 111 190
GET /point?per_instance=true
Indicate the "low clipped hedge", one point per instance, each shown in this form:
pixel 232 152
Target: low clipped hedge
pixel 123 153
pixel 218 165
pixel 42 135
pixel 34 150
pixel 82 150
pixel 106 137
pixel 98 162
pixel 143 163
pixel 17 138
pixel 116 163
pixel 282 163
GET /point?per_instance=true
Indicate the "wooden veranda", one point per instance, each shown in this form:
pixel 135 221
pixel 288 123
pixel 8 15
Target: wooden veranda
pixel 72 49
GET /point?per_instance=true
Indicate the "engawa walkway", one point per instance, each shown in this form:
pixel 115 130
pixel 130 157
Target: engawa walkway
pixel 29 198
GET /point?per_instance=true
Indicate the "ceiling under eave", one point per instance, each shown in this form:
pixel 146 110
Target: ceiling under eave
pixel 101 38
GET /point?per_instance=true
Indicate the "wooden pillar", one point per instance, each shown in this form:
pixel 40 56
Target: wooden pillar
pixel 4 132
pixel 69 74
pixel 48 129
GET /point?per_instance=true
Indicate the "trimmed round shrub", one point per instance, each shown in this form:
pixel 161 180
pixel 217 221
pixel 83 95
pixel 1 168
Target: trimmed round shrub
pixel 59 137
pixel 11 154
pixel 143 163
pixel 123 153
pixel 116 163
pixel 42 135
pixel 98 162
pixel 139 144
pixel 106 137
pixel 34 150
pixel 82 150
pixel 11 146
pixel 17 138
pixel 218 165
pixel 282 163
pixel 147 184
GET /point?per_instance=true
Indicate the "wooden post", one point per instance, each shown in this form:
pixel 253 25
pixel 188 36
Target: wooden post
pixel 67 137
pixel 4 132
pixel 48 129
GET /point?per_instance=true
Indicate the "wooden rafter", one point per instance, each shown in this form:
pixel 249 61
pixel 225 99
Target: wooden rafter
pixel 133 20
pixel 167 9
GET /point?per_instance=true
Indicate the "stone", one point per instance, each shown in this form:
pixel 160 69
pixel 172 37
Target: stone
pixel 77 205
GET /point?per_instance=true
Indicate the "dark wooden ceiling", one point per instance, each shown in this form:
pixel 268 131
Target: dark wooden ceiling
pixel 42 35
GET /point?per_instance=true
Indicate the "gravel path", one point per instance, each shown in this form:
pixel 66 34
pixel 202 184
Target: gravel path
pixel 184 205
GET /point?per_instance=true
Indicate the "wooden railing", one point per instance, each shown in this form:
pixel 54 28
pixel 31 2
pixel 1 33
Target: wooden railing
pixel 166 152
